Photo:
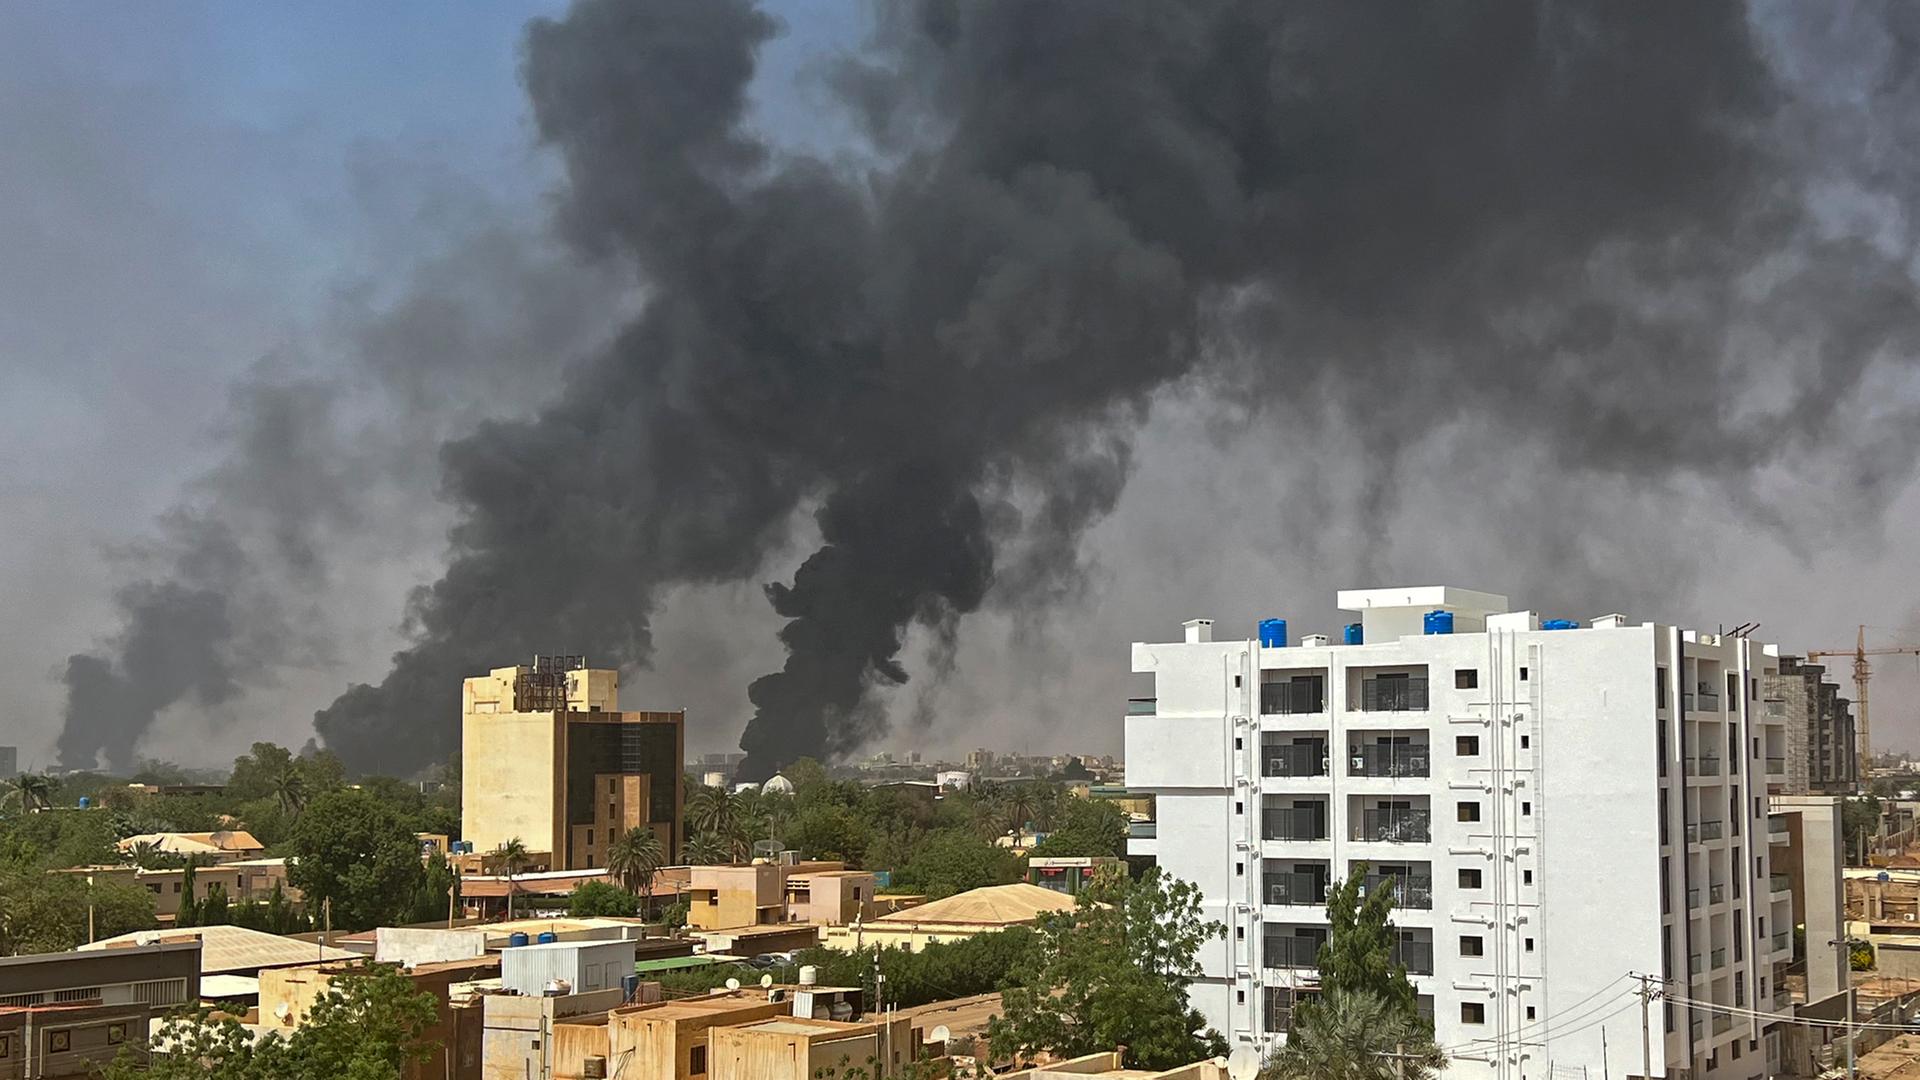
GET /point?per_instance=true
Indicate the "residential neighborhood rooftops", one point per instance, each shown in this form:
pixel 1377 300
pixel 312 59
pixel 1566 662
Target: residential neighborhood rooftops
pixel 221 842
pixel 229 949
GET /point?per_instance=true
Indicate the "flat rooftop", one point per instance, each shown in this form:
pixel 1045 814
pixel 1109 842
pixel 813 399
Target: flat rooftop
pixel 1449 597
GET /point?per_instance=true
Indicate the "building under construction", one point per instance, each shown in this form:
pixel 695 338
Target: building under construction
pixel 548 758
pixel 1821 755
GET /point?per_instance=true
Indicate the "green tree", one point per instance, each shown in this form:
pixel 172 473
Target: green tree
pixel 42 912
pixel 189 911
pixel 28 792
pixel 367 1026
pixel 1112 972
pixel 600 898
pixel 275 916
pixel 1355 1035
pixel 214 910
pixel 1090 827
pixel 350 850
pixel 634 859
pixel 439 885
pixel 827 830
pixel 705 849
pixel 955 860
pixel 1358 953
pixel 256 772
pixel 1859 821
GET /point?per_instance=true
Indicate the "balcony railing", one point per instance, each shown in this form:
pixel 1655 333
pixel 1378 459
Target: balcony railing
pixel 1295 697
pixel 1780 883
pixel 1709 701
pixel 1415 956
pixel 1394 693
pixel 1295 759
pixel 1722 1024
pixel 1776 766
pixel 1409 890
pixel 1296 888
pixel 1387 759
pixel 1142 706
pixel 1293 950
pixel 1293 823
pixel 1718 959
pixel 1695 965
pixel 1143 830
pixel 1704 765
pixel 1693 897
pixel 1703 830
pixel 1395 826
pixel 1782 941
pixel 1716 894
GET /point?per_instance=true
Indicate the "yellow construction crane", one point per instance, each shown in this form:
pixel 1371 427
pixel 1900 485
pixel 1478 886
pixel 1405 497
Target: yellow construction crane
pixel 1863 732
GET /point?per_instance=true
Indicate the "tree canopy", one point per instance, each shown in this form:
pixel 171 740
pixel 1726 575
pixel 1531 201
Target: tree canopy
pixel 1114 971
pixel 354 851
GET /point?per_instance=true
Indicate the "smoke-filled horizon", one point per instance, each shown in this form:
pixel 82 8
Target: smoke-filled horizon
pixel 1608 236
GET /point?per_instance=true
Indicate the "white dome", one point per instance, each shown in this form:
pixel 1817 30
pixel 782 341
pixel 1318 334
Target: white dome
pixel 777 785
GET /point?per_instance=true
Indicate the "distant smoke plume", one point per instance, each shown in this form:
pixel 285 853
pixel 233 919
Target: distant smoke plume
pixel 1582 217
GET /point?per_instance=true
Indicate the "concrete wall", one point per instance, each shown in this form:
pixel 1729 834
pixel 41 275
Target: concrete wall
pixel 409 947
pixel 510 780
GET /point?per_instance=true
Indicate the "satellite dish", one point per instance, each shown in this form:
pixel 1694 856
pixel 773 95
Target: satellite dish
pixel 939 1034
pixel 733 984
pixel 1243 1063
pixel 766 981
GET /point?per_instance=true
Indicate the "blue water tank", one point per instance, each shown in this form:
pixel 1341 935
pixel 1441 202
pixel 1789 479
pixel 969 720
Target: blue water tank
pixel 516 939
pixel 1354 636
pixel 85 802
pixel 547 937
pixel 1273 633
pixel 1438 622
pixel 1560 624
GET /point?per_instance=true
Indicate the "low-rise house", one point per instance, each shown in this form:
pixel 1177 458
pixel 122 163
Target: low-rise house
pixel 243 880
pixel 976 911
pixel 224 845
pixel 1068 874
pixel 287 995
pixel 796 1048
pixel 67 1014
pixel 227 950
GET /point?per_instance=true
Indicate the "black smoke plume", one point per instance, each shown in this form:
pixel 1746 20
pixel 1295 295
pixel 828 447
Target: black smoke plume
pixel 1586 218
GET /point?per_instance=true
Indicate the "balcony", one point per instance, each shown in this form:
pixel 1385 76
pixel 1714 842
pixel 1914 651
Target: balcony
pixel 1293 950
pixel 1703 830
pixel 1695 965
pixel 1409 890
pixel 1718 958
pixel 1296 889
pixel 1415 956
pixel 1722 1024
pixel 1395 826
pixel 1693 897
pixel 1704 765
pixel 1783 941
pixel 1394 693
pixel 1293 823
pixel 1142 706
pixel 1777 828
pixel 1143 830
pixel 1776 766
pixel 1294 759
pixel 1388 760
pixel 1299 696
pixel 1716 894
pixel 1779 883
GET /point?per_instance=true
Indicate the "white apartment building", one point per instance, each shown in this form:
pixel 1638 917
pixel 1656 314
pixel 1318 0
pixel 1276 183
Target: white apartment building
pixel 1560 809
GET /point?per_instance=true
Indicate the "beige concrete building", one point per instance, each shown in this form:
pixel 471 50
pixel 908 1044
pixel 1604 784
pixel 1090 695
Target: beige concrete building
pixel 976 911
pixel 243 880
pixel 548 758
pixel 800 1048
pixel 769 893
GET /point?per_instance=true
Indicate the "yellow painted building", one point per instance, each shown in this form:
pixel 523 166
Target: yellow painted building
pixel 547 757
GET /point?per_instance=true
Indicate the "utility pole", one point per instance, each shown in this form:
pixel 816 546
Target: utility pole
pixel 1647 994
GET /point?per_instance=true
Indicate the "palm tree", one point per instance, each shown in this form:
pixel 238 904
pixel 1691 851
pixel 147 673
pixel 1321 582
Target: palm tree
pixel 705 849
pixel 634 859
pixel 711 810
pixel 146 855
pixel 1016 807
pixel 32 792
pixel 290 787
pixel 1354 1035
pixel 513 858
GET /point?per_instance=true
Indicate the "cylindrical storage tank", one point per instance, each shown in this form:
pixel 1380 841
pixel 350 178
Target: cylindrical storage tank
pixel 516 939
pixel 547 937
pixel 1560 624
pixel 1354 636
pixel 85 802
pixel 809 975
pixel 1273 633
pixel 1438 622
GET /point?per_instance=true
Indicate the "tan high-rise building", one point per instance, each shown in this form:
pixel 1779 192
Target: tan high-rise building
pixel 548 757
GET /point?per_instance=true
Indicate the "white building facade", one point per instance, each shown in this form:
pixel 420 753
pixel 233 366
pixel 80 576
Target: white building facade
pixel 1559 810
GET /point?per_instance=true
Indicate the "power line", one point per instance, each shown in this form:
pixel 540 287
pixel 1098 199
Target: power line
pixel 1540 1030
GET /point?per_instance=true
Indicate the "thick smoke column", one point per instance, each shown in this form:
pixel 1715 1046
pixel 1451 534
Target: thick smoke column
pixel 1579 216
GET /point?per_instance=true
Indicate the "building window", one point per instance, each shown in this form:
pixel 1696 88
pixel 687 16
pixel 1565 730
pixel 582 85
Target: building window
pixel 1471 945
pixel 116 1034
pixel 1467 811
pixel 1526 877
pixel 613 787
pixel 1236 682
pixel 1526 809
pixel 1240 933
pixel 1466 745
pixel 1660 687
pixel 1466 679
pixel 153 887
pixel 1469 878
pixel 176 888
pixel 1529 944
pixel 1523 673
pixel 589 836
pixel 697 1061
pixel 1529 1012
pixel 5 1044
pixel 1472 1012
pixel 1525 741
pixel 1239 743
pixel 1240 997
pixel 59 1042
pixel 1239 807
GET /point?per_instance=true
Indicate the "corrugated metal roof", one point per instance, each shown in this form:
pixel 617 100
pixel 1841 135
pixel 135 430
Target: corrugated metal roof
pixel 232 948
